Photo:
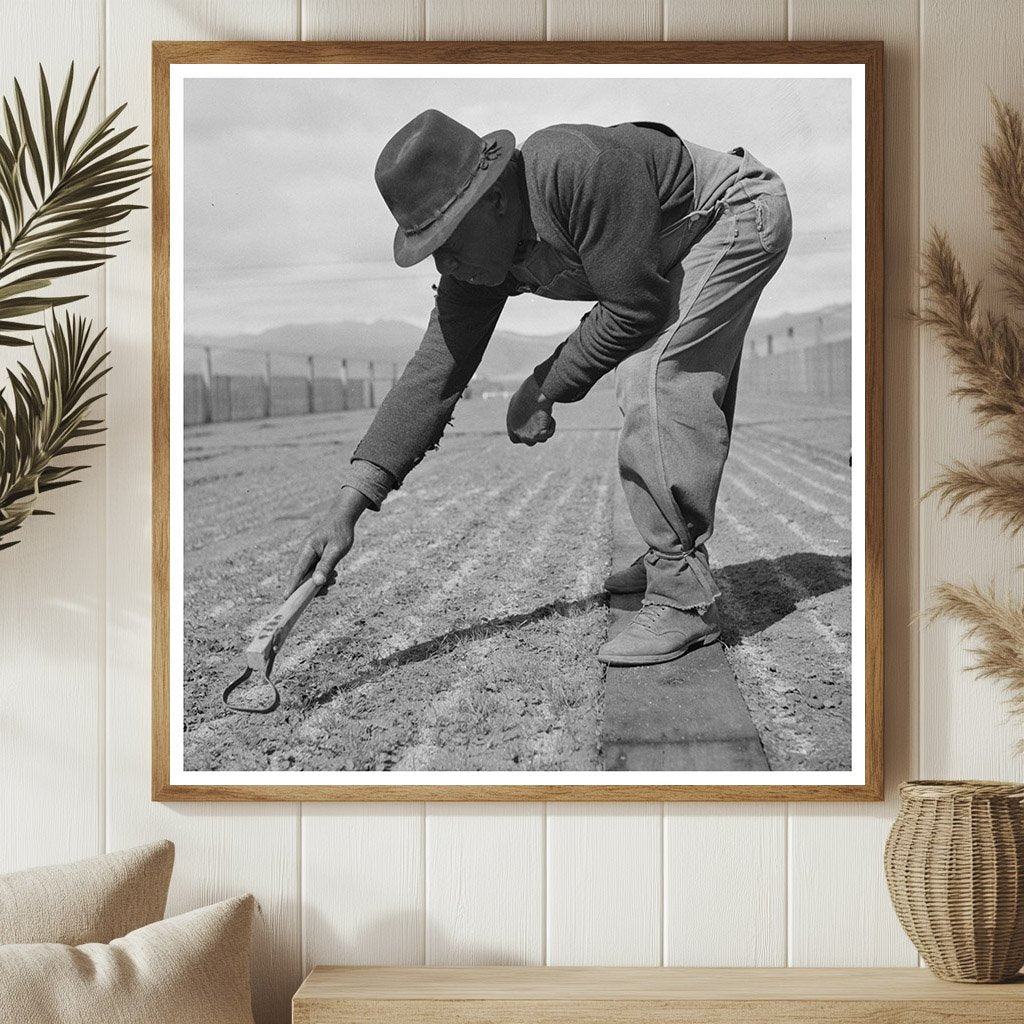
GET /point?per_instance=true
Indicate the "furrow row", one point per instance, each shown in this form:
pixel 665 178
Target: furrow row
pixel 787 495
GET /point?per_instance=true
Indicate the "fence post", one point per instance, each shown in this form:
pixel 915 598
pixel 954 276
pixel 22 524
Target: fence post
pixel 227 394
pixel 769 345
pixel 310 385
pixel 373 404
pixel 266 385
pixel 344 385
pixel 208 387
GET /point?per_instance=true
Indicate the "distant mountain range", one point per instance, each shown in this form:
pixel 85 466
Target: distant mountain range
pixel 383 341
pixel 508 356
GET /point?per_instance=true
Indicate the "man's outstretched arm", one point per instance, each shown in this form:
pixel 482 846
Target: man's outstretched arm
pixel 410 420
pixel 415 412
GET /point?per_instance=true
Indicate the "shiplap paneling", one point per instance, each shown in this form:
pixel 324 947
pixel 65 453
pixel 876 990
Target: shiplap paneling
pixel 485 884
pixel 604 19
pixel 228 848
pixel 739 849
pixel 363 19
pixel 828 843
pixel 965 729
pixel 485 19
pixel 725 19
pixel 604 884
pixel 363 884
pixel 52 583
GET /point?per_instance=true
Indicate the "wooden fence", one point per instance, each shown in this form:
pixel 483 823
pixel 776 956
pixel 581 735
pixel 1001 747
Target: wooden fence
pixel 817 371
pixel 219 385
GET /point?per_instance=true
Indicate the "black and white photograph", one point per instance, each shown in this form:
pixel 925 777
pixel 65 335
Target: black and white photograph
pixel 517 424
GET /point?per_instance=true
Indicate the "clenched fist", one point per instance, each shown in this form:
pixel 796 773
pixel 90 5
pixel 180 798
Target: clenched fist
pixel 529 420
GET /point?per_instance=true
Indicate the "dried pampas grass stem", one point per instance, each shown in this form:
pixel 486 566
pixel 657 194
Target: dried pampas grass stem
pixel 986 351
pixel 997 629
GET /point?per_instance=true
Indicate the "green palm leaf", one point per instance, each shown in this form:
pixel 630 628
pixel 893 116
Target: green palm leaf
pixel 62 190
pixel 46 419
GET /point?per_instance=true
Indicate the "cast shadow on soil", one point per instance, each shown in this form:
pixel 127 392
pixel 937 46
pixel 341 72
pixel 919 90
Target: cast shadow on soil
pixel 446 641
pixel 755 594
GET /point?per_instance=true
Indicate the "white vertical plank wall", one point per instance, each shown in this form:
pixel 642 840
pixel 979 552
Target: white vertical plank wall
pixel 728 19
pixel 510 883
pixel 485 883
pixel 363 19
pixel 739 849
pixel 485 19
pixel 52 582
pixel 604 19
pixel 964 727
pixel 604 881
pixel 363 885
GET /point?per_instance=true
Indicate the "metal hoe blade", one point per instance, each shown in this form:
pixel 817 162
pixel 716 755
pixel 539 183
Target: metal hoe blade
pixel 260 654
pixel 262 681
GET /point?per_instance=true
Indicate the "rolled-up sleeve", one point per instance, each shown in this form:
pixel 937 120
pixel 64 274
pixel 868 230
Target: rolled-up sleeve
pixel 415 412
pixel 372 482
pixel 614 221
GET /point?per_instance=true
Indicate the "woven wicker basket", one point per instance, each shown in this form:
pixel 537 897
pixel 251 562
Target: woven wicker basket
pixel 954 861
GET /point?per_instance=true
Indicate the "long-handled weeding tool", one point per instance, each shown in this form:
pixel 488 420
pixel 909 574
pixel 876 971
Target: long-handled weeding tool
pixel 260 654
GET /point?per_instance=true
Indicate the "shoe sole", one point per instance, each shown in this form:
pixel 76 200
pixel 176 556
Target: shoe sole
pixel 623 590
pixel 625 661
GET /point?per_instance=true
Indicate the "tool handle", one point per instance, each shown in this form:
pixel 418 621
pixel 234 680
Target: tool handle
pixel 274 631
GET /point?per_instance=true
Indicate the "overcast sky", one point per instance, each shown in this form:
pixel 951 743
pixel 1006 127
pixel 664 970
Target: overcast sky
pixel 284 224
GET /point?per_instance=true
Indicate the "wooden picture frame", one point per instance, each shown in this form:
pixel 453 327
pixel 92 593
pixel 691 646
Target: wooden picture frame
pixel 170 780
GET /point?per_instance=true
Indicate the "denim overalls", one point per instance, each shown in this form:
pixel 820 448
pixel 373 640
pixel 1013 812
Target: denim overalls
pixel 677 393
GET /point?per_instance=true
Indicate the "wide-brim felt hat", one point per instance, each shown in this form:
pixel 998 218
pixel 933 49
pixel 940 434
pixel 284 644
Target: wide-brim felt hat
pixel 430 174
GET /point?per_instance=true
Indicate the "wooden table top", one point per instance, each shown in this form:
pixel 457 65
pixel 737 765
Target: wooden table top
pixel 645 983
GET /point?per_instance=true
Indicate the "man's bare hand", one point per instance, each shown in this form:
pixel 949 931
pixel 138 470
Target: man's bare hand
pixel 529 420
pixel 329 540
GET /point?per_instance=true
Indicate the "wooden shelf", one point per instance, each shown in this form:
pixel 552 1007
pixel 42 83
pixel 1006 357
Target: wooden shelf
pixel 637 995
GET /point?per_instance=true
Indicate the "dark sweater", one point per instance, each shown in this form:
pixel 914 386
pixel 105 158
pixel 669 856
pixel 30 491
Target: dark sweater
pixel 598 200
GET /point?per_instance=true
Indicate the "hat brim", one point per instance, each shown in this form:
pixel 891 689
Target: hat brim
pixel 413 249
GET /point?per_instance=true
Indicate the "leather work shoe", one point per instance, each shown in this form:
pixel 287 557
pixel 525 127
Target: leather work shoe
pixel 631 580
pixel 659 632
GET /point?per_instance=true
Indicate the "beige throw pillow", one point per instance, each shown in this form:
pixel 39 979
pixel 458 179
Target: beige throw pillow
pixel 92 900
pixel 190 969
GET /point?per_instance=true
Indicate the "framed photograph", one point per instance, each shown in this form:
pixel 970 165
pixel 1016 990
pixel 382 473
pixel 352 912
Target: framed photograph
pixel 517 421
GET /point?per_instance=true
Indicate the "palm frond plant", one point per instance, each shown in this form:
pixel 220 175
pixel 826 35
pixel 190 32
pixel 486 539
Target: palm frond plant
pixel 987 354
pixel 47 419
pixel 63 190
pixel 61 193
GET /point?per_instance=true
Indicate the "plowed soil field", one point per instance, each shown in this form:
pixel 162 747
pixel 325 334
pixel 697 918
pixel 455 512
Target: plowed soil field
pixel 462 629
pixel 782 555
